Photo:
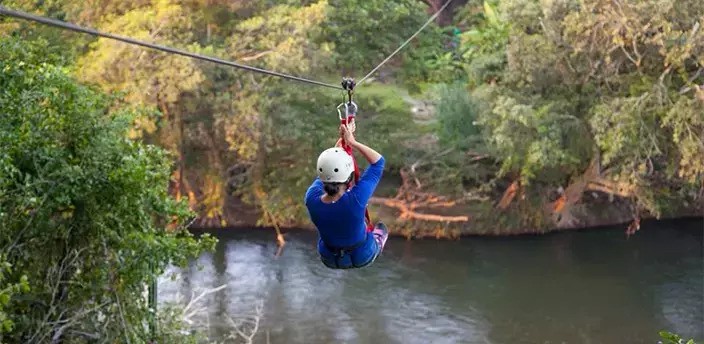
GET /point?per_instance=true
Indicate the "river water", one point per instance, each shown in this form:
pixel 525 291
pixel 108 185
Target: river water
pixel 595 286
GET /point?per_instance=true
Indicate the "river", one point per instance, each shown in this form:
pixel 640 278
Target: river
pixel 592 286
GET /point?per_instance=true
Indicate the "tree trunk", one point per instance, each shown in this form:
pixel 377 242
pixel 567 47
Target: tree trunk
pixel 181 160
pixel 590 180
pixel 509 195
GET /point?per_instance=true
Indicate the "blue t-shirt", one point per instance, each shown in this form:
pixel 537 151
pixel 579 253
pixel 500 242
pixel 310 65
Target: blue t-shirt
pixel 341 224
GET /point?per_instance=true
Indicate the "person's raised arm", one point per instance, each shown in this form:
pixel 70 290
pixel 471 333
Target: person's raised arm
pixel 366 185
pixel 370 154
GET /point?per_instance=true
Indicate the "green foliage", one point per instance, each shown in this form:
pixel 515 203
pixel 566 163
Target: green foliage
pixel 431 57
pixel 457 114
pixel 529 140
pixel 94 202
pixel 172 328
pixel 7 292
pixel 483 46
pixel 457 162
pixel 605 81
pixel 671 338
pixel 61 45
pixel 364 32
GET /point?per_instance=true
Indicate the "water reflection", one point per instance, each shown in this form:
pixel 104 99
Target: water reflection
pixel 592 287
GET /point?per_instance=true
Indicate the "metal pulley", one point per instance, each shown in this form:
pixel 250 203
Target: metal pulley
pixel 347 109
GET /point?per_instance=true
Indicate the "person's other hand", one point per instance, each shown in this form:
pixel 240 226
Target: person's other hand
pixel 347 134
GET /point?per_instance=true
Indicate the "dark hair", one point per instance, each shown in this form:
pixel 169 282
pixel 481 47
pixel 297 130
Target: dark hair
pixel 333 188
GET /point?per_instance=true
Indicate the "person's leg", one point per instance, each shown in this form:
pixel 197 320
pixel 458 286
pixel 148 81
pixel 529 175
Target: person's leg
pixel 381 234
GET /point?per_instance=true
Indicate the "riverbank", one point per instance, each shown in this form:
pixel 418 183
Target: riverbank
pixel 478 217
pixel 694 220
pixel 482 217
pixel 489 220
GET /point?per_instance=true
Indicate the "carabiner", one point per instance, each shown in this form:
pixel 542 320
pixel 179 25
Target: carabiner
pixel 339 113
pixel 350 110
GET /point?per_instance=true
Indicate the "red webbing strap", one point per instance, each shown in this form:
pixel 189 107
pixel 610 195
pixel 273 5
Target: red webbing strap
pixel 348 149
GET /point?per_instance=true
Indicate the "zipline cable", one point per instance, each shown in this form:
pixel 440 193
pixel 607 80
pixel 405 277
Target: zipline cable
pixel 69 26
pixel 406 42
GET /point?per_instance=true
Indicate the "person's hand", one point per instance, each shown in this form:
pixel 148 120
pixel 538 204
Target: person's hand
pixel 347 134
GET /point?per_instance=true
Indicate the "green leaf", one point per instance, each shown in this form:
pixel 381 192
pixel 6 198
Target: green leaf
pixel 490 13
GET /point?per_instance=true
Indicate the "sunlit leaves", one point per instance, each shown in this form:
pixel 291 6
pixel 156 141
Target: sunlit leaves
pixel 281 38
pixel 147 76
pixel 483 46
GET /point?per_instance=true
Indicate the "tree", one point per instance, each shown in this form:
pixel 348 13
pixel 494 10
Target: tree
pixel 95 203
pixel 602 94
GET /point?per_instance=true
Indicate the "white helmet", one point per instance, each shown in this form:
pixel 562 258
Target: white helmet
pixel 334 165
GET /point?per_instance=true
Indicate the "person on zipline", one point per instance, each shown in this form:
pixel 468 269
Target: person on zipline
pixel 338 210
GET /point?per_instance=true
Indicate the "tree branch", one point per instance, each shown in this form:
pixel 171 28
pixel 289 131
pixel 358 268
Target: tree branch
pixel 122 318
pixel 256 56
pixel 509 195
pixel 407 211
pixel 194 301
